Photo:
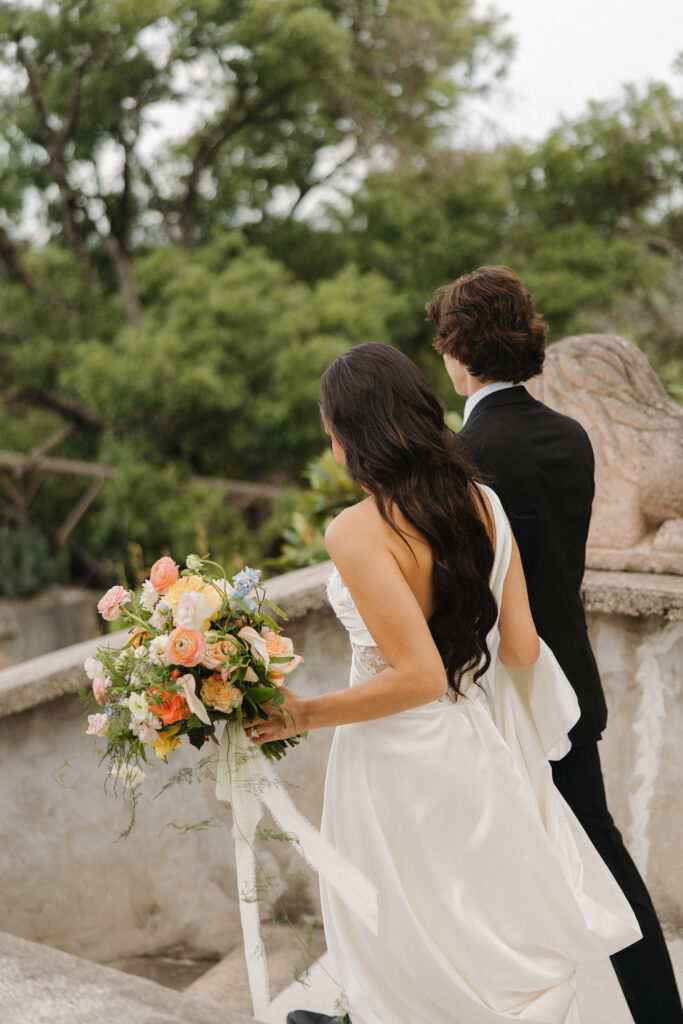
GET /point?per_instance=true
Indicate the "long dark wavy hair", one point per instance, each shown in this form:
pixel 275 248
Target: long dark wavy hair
pixel 389 422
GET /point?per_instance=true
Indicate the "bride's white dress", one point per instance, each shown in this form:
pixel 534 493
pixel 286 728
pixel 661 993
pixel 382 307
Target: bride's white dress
pixel 489 891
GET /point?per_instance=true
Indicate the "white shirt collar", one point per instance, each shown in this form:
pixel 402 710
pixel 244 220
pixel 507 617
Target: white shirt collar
pixel 488 389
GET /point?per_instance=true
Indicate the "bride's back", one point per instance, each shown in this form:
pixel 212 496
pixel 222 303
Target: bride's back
pixel 409 547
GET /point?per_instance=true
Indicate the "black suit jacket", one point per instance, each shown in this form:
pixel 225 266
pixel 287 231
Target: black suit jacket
pixel 540 463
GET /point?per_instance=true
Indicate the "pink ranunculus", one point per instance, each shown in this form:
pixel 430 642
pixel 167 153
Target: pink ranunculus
pixel 185 647
pixel 109 606
pixel 100 688
pixel 164 573
pixel 98 725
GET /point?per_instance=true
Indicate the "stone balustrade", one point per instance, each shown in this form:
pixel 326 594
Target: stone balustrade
pixel 66 881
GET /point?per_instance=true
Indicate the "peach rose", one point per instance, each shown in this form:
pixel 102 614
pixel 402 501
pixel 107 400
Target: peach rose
pixel 281 647
pixel 164 573
pixel 100 687
pixel 185 647
pixel 137 635
pixel 109 606
pixel 170 707
pixel 98 725
pixel 219 694
pixel 219 652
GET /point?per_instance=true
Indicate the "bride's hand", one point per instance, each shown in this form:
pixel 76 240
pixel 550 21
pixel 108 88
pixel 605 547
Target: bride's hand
pixel 282 722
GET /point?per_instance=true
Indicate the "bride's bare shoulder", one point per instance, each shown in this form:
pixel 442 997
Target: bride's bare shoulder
pixel 359 525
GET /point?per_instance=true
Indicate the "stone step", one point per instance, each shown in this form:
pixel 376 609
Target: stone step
pixel 290 949
pixel 40 985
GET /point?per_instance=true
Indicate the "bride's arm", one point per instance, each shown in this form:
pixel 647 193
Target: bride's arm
pixel 415 673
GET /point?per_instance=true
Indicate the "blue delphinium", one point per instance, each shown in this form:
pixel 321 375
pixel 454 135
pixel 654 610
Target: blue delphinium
pixel 244 581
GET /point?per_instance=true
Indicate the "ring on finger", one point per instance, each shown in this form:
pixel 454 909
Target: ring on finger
pixel 254 734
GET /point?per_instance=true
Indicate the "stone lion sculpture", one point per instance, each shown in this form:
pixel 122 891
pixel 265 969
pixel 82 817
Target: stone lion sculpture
pixel 636 430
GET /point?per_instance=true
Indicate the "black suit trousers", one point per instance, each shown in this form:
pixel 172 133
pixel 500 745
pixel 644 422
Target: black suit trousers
pixel 644 969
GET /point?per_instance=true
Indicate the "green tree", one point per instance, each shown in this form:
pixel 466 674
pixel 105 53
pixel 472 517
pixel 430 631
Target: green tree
pixel 590 218
pixel 272 90
pixel 138 328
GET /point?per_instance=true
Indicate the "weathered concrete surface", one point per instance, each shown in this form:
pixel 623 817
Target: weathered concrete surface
pixel 41 679
pixel 44 986
pixel 641 665
pixel 55 618
pixel 290 952
pixel 635 594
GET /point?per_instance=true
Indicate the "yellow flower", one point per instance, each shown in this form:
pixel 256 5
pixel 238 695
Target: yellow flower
pixel 184 585
pixel 193 584
pixel 167 741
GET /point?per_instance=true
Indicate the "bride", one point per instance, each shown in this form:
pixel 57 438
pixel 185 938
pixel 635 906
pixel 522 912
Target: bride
pixel 438 785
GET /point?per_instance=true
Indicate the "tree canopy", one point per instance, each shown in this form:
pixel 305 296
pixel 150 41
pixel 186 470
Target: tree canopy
pixel 201 205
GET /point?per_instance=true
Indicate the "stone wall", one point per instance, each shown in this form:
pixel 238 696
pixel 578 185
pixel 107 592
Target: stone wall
pixel 55 618
pixel 636 629
pixel 66 881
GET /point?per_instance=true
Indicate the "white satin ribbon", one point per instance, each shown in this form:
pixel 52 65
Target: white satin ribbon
pixel 247 781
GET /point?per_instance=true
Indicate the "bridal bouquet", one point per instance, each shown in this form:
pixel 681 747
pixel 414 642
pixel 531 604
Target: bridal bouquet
pixel 201 652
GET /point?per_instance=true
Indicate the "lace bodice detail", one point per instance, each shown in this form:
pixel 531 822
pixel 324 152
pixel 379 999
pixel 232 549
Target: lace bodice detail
pixel 366 653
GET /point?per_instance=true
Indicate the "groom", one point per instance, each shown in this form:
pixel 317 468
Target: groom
pixel 541 465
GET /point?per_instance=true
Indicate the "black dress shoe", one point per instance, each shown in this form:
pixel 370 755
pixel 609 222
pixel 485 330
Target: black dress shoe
pixel 308 1017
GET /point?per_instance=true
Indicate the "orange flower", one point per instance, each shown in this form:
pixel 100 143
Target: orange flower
pixel 280 647
pixel 170 707
pixel 185 647
pixel 164 573
pixel 137 636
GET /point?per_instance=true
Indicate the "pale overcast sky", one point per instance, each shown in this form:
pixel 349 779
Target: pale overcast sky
pixel 571 52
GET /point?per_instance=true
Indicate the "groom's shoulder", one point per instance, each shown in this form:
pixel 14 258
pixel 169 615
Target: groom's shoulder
pixel 506 423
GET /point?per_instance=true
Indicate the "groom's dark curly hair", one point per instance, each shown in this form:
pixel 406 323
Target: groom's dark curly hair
pixel 487 321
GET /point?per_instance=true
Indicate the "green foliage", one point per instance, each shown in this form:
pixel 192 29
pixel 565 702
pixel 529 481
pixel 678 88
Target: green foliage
pixel 184 292
pixel 330 490
pixel 26 562
pixel 590 219
pixel 221 373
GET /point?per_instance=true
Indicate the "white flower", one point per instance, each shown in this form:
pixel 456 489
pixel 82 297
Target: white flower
pixel 225 588
pixel 130 773
pixel 193 610
pixel 193 562
pixel 193 702
pixel 256 642
pixel 146 731
pixel 149 596
pixel 158 619
pixel 157 650
pixel 140 652
pixel 138 706
pixel 94 669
